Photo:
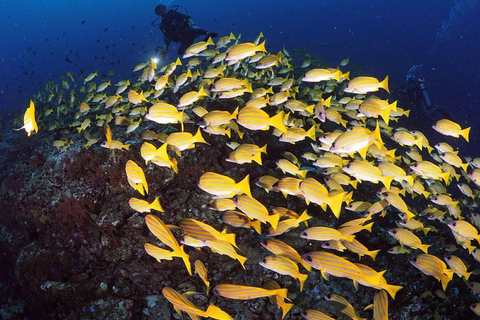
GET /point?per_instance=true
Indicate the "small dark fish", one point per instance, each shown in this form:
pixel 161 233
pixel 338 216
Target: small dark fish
pixel 51 53
pixel 105 30
pixel 46 39
pixel 234 24
pixel 63 34
pixel 98 40
pixel 95 57
pixel 83 22
pixel 34 52
pixel 133 27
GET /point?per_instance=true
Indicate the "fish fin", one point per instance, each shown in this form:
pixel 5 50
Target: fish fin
pixel 257 226
pixel 384 84
pixel 387 181
pixel 257 158
pixel 467 275
pixel 273 220
pixel 419 142
pixel 261 47
pixel 465 132
pixel 156 205
pixel 370 306
pixel 392 289
pixel 302 278
pixel 373 254
pixel 215 312
pixel 444 279
pixel 277 122
pixel 445 175
pixel 311 133
pixel 426 230
pixel 242 260
pixel 303 173
pixel 424 247
pixel 285 307
pixel 282 293
pixel 335 203
pixel 385 114
pixel 464 166
pixel 244 186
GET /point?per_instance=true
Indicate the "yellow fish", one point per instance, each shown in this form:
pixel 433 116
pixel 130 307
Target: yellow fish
pixel 222 186
pixel 29 123
pixel 161 231
pixel 450 128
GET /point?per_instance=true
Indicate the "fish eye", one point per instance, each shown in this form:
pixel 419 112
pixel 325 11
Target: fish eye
pixel 304 234
pixel 309 258
pixel 394 231
pixel 454 224
pixel 447 257
pixel 434 198
pixel 328 296
pixel 327 244
pixel 471 284
pixel 348 165
pixel 265 242
pixel 264 261
pixel 414 259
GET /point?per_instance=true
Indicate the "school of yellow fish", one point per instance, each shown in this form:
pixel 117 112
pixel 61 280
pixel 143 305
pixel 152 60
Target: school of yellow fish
pixel 235 88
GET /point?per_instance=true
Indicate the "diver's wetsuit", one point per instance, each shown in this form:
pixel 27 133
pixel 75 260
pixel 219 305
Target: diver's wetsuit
pixel 179 27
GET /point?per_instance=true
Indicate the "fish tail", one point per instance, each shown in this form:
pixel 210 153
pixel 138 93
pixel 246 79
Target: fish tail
pixel 426 230
pixel 209 41
pixel 228 132
pixel 215 312
pixel 242 260
pixel 368 227
pixel 235 113
pixel 419 142
pixel 201 92
pixel 346 75
pixel 244 186
pixel 385 114
pixel 257 158
pixel 186 259
pixel 343 122
pixel 467 275
pixel 424 247
pixel 464 166
pixel 444 279
pixel 156 205
pixel 311 133
pixel 126 146
pixel 393 106
pixel 282 293
pixel 261 47
pixel 174 165
pixel 198 137
pixel 410 180
pixel 285 307
pixel 387 181
pixel 384 84
pixel 445 175
pixel 277 121
pixel 303 173
pixel 310 108
pixel 302 278
pixel 264 149
pixel 335 203
pixel 231 37
pixel 273 220
pixel 354 183
pixel 378 137
pixel 257 226
pixel 336 75
pixel 392 290
pixel 373 254
pixel 465 132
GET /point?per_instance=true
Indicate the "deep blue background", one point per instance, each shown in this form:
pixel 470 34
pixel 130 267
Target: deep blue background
pixel 382 37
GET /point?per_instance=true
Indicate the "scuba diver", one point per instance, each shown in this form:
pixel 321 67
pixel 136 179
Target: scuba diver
pixel 177 27
pixel 417 93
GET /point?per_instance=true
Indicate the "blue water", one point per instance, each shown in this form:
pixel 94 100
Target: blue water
pixel 42 40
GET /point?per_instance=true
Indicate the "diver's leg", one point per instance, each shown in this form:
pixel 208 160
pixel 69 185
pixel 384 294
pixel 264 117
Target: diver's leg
pixel 187 41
